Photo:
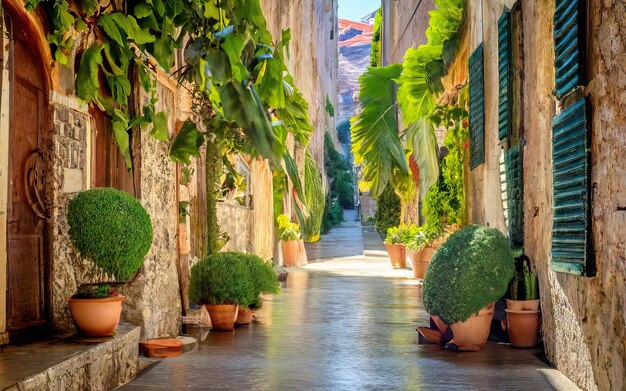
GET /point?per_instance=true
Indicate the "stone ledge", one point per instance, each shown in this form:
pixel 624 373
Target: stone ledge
pixel 72 363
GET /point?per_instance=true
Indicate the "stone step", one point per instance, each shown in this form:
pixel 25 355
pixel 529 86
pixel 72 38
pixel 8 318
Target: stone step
pixel 72 363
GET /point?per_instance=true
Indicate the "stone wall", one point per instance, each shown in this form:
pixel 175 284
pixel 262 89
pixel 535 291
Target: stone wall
pixel 404 26
pixel 583 317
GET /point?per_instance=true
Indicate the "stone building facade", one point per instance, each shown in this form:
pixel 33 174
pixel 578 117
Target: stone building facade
pixel 583 316
pixel 64 134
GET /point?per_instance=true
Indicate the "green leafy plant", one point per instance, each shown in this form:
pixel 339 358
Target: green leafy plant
pixel 185 175
pixel 375 141
pixel 286 229
pixel 183 211
pixel 376 42
pixel 263 275
pixel 387 210
pixel 340 173
pixel 222 278
pixel 333 215
pixel 471 269
pixel 112 229
pixel 315 199
pixel 94 291
pixel 525 284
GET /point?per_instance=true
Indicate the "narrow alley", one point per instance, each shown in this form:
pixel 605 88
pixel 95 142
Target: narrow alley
pixel 338 325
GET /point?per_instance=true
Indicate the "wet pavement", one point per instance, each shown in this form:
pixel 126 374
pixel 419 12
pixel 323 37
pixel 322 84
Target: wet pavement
pixel 347 323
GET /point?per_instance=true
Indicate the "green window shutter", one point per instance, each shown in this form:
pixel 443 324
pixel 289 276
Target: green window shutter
pixel 505 74
pixel 477 108
pixel 515 195
pixel 570 167
pixel 569 39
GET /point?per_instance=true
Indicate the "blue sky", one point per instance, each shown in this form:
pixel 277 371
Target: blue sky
pixel 356 9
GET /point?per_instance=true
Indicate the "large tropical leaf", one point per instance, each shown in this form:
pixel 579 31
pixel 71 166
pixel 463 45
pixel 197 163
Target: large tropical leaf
pixel 375 140
pixel 422 140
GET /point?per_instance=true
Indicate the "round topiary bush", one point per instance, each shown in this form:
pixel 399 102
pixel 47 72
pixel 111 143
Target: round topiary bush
pixel 222 278
pixel 112 229
pixel 472 269
pixel 262 273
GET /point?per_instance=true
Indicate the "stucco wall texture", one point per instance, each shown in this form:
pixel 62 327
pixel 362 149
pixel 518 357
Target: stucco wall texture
pixel 583 317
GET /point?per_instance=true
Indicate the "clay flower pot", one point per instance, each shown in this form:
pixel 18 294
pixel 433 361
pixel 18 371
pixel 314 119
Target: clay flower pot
pixel 97 317
pixel 523 327
pixel 523 319
pixel 397 255
pixel 244 316
pixel 291 251
pixel 419 268
pixel 223 316
pixel 472 334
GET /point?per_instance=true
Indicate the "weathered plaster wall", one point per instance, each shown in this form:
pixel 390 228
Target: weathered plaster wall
pixel 237 220
pixel 314 58
pixel 404 26
pixel 584 317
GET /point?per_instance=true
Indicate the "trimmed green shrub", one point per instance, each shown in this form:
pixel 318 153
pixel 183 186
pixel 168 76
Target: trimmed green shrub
pixel 263 275
pixel 387 210
pixel 222 278
pixel 314 191
pixel 470 270
pixel 112 229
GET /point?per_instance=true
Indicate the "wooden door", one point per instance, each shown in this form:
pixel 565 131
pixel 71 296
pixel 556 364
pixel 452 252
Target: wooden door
pixel 26 285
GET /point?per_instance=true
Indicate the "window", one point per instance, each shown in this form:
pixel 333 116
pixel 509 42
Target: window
pixel 477 108
pixel 504 70
pixel 571 230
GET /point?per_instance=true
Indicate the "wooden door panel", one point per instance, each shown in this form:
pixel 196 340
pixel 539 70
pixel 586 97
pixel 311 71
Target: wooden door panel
pixel 25 242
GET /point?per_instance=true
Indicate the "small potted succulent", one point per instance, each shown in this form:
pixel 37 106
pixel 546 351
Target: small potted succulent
pixel 467 275
pixel 395 245
pixel 289 234
pixel 222 282
pixel 112 229
pixel 522 306
pixel 264 280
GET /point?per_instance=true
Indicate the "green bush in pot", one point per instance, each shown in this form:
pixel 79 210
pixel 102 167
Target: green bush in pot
pixel 111 228
pixel 470 270
pixel 222 278
pixel 263 275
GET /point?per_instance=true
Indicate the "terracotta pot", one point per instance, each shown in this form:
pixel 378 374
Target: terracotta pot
pixel 97 317
pixel 244 316
pixel 427 254
pixel 472 334
pixel 290 253
pixel 419 268
pixel 397 255
pixel 523 327
pixel 522 305
pixel 222 316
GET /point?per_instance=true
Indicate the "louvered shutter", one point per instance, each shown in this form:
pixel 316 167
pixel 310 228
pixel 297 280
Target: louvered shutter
pixel 515 195
pixel 477 108
pixel 504 71
pixel 570 166
pixel 568 44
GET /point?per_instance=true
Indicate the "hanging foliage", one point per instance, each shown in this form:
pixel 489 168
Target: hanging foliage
pixel 375 140
pixel 376 42
pixel 314 191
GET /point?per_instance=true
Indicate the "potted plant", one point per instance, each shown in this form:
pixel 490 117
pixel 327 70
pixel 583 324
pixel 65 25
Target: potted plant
pixel 222 282
pixel 467 275
pixel 112 229
pixel 289 234
pixel 264 280
pixel 419 248
pixel 395 246
pixel 522 306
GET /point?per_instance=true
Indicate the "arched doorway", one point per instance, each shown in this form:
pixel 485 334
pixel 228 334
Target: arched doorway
pixel 27 309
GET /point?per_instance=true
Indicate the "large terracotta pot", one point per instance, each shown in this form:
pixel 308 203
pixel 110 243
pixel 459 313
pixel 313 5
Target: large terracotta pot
pixel 291 250
pixel 397 254
pixel 472 334
pixel 222 316
pixel 427 254
pixel 97 317
pixel 244 316
pixel 523 327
